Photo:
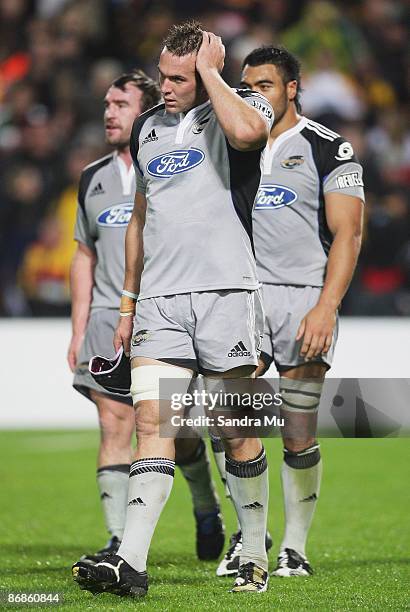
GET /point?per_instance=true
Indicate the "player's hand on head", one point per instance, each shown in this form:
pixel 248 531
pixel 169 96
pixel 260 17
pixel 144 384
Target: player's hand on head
pixel 316 331
pixel 123 334
pixel 73 350
pixel 211 53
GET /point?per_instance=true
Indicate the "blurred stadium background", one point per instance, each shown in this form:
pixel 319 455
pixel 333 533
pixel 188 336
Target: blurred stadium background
pixel 57 58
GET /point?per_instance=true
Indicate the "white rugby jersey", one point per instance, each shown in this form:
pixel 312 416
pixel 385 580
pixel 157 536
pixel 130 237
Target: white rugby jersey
pixel 200 193
pixel 292 239
pixel 105 202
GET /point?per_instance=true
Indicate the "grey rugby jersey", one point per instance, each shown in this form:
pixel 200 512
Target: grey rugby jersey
pixel 105 202
pixel 200 193
pixel 292 239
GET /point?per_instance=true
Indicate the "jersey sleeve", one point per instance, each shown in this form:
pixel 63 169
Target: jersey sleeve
pixel 259 102
pixel 134 149
pixel 341 171
pixel 346 179
pixel 81 229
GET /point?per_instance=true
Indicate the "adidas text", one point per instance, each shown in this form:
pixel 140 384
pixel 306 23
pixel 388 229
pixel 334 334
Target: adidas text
pixel 239 350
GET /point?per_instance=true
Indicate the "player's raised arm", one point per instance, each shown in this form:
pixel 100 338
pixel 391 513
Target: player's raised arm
pixel 134 255
pixel 245 127
pixel 81 284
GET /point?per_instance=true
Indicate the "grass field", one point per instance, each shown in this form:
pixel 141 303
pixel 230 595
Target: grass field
pixel 359 545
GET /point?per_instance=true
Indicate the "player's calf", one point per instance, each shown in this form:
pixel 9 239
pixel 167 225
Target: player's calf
pixel 192 459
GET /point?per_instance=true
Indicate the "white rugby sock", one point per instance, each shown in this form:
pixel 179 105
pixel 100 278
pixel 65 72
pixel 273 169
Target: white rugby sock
pixel 249 487
pixel 112 482
pixel 150 484
pixel 301 475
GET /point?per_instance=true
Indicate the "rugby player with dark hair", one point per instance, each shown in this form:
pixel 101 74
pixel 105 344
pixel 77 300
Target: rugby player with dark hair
pixel 105 202
pixel 307 226
pixel 191 280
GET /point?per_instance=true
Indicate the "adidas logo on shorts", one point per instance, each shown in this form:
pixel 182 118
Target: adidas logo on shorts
pixel 239 350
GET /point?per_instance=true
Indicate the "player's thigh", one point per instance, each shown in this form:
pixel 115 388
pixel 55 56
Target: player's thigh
pixel 116 418
pixel 160 333
pixel 266 354
pixel 228 332
pixel 153 382
pixel 306 371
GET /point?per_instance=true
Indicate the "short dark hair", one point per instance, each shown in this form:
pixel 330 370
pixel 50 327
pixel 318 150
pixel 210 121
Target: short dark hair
pixel 184 38
pixel 151 94
pixel 287 64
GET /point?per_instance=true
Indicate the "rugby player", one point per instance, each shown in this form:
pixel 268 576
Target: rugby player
pixel 307 225
pixel 105 202
pixel 189 256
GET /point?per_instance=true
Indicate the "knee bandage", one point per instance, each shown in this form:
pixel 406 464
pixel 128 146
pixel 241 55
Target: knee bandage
pixel 300 395
pixel 145 380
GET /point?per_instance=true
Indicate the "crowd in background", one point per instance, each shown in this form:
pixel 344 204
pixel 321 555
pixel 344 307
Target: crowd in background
pixel 58 57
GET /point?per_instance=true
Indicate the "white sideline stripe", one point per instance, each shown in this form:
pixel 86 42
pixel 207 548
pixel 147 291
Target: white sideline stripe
pixel 56 406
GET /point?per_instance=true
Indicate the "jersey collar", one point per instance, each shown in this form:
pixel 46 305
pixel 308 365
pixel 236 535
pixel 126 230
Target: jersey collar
pixel 127 175
pixel 269 152
pixel 186 120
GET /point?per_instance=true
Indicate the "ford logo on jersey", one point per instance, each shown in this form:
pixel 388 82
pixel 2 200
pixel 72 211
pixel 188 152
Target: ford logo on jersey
pixel 175 162
pixel 115 216
pixel 274 196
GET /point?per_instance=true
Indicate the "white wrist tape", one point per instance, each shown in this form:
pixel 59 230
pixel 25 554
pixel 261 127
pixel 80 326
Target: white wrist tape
pixel 130 294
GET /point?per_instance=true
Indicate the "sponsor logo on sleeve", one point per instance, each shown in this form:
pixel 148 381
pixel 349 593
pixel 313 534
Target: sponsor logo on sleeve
pixel 115 216
pixel 352 179
pixel 175 162
pixel 262 108
pixel 274 196
pixel 345 151
pixel 292 162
